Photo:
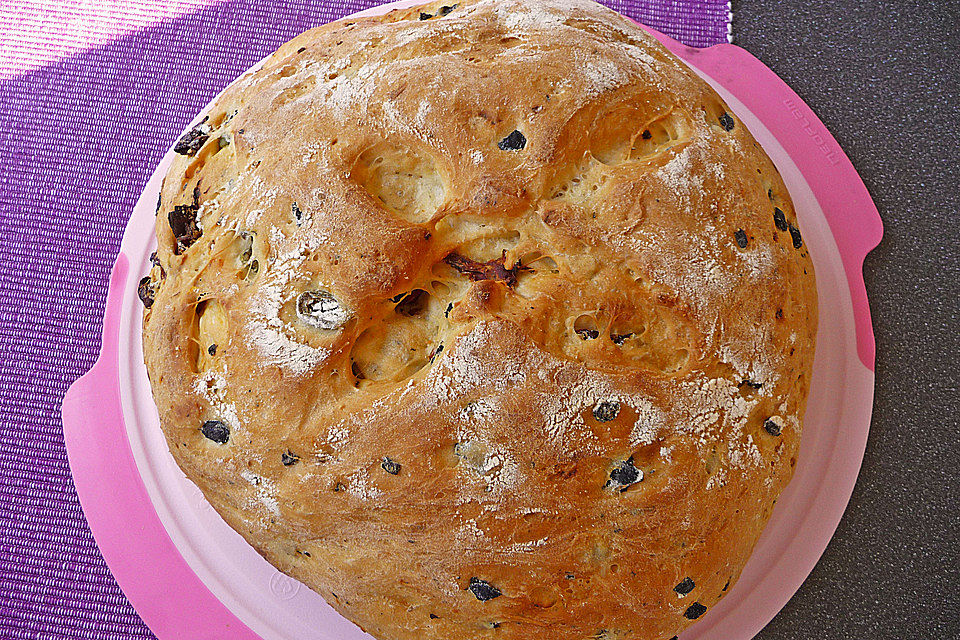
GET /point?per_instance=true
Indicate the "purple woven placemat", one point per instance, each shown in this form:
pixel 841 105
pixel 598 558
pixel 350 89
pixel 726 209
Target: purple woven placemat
pixel 91 96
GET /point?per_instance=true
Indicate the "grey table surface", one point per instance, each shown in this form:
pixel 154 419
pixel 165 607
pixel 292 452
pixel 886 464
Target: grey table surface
pixel 885 79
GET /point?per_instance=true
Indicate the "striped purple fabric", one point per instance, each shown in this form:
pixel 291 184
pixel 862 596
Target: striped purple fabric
pixel 92 93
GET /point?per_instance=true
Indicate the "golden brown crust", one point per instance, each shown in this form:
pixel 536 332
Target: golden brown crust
pixel 473 382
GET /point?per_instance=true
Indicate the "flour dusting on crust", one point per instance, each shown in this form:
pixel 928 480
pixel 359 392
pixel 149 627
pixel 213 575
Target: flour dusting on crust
pixel 274 339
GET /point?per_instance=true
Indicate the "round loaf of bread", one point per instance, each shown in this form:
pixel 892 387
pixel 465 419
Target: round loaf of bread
pixel 484 320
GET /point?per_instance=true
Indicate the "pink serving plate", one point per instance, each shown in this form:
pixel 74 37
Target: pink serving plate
pixel 190 576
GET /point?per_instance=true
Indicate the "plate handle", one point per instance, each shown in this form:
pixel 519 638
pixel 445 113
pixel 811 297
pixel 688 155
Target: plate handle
pixel 846 203
pixel 118 508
